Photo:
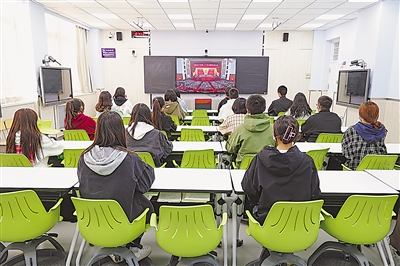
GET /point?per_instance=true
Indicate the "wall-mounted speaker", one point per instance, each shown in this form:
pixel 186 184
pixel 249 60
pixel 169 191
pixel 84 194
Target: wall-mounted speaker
pixel 285 36
pixel 119 36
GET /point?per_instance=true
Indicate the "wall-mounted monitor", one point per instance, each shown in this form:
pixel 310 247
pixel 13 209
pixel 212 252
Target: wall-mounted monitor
pixel 56 85
pixel 206 74
pixel 353 87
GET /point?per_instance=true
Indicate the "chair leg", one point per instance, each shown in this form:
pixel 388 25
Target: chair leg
pixel 202 259
pixel 351 250
pixel 72 246
pixel 263 256
pixel 173 261
pixel 123 252
pixel 381 253
pixel 278 258
pixel 80 251
pixel 388 251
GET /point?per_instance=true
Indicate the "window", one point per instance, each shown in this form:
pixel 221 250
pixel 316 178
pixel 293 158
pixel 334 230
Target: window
pixel 335 53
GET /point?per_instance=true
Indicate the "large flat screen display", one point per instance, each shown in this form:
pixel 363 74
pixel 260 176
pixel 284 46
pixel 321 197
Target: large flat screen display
pixel 56 85
pixel 206 75
pixel 353 87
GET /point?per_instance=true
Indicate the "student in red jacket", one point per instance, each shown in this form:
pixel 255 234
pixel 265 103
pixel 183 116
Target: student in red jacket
pixel 75 119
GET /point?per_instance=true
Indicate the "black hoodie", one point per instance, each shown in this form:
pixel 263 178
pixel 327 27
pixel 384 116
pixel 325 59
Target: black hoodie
pixel 274 176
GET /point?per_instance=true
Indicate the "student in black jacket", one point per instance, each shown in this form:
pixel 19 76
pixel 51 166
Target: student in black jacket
pixel 322 122
pixel 224 100
pixel 160 120
pixel 281 173
pixel 280 105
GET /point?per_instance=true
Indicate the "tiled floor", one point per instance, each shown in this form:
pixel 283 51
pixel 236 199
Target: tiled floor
pixel 248 252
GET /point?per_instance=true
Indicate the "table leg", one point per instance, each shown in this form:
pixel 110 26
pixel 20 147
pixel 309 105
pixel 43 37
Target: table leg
pixel 234 232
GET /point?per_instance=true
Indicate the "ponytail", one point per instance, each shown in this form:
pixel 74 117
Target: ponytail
pixel 72 109
pixel 378 125
pixel 157 112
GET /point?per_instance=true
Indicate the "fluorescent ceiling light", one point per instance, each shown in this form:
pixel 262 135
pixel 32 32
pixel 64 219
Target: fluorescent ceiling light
pixel 180 16
pixel 173 1
pixel 254 17
pixel 328 17
pixel 226 25
pixel 183 25
pixel 108 16
pixel 365 1
pixel 312 25
pixel 267 1
pixel 265 26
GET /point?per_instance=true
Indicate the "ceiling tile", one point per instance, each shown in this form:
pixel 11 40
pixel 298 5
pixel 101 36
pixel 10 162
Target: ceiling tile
pixel 233 5
pixel 174 5
pixel 212 5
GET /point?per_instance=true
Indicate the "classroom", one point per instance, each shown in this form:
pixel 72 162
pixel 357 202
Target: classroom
pixel 105 44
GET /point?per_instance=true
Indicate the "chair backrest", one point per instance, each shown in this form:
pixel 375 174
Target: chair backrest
pixel 23 216
pixel 200 121
pixel 313 111
pixel 380 162
pixel 199 112
pixel 8 123
pixel 362 219
pixel 246 161
pixel 281 113
pixel 198 159
pixel 192 134
pixel 301 121
pixel 71 157
pixel 76 134
pixel 104 223
pixel 146 157
pixel 175 119
pixel 289 226
pixel 318 157
pixel 271 120
pixel 329 138
pixel 126 120
pixel 188 231
pixel 14 160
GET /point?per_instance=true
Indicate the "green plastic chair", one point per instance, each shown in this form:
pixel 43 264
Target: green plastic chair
pixel 189 232
pixel 104 223
pixel 301 121
pixel 175 119
pixel 329 138
pixel 313 112
pixel 289 227
pixel 377 162
pixel 200 112
pixel 200 121
pixel 281 113
pixel 24 221
pixel 76 134
pixel 318 157
pixel 14 160
pixel 246 161
pixel 147 158
pixel 71 157
pixel 126 120
pixel 192 134
pixel 46 127
pixel 197 159
pixel 361 220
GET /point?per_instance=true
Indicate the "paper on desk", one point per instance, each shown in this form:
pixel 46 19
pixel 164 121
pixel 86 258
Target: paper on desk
pixel 169 197
pixel 196 197
pixel 149 195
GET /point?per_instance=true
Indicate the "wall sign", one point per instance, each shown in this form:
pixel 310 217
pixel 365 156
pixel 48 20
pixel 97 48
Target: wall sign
pixel 108 53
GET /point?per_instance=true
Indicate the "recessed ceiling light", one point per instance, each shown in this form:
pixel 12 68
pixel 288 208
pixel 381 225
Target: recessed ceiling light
pixel 183 25
pixel 226 25
pixel 180 16
pixel 109 16
pixel 366 1
pixel 267 1
pixel 254 17
pixel 312 25
pixel 328 17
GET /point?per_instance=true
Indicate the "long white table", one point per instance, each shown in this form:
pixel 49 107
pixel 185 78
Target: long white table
pixel 206 129
pixel 212 118
pixel 389 177
pixel 209 112
pixel 392 148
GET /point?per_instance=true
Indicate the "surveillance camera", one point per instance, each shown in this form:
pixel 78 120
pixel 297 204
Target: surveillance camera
pixel 206 31
pixel 110 35
pixel 206 52
pixel 133 53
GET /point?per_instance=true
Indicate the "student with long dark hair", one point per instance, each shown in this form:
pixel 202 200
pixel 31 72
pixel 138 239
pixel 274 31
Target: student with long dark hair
pixel 121 102
pixel 105 103
pixel 281 173
pixel 365 137
pixel 160 120
pixel 108 170
pixel 142 136
pixel 76 119
pixel 25 138
pixel 300 108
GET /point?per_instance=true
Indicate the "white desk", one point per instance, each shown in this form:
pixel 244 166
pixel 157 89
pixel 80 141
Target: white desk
pixel 307 146
pixel 38 178
pixel 206 129
pixel 389 177
pixel 209 112
pixel 392 148
pixel 212 118
pixel 177 146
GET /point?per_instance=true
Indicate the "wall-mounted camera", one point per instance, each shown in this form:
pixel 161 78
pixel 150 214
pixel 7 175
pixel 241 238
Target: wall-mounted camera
pixel 110 35
pixel 206 31
pixel 205 52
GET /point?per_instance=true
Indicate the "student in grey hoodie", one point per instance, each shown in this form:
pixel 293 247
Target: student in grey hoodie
pixel 108 170
pixel 142 136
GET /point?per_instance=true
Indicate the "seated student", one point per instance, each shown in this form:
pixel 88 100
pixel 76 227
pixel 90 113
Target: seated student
pixel 233 121
pixel 224 100
pixel 300 108
pixel 322 122
pixel 281 173
pixel 172 107
pixel 255 133
pixel 142 136
pixel 365 137
pixel 25 138
pixel 121 102
pixel 160 120
pixel 108 170
pixel 105 104
pixel 181 101
pixel 280 105
pixel 75 119
pixel 226 109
